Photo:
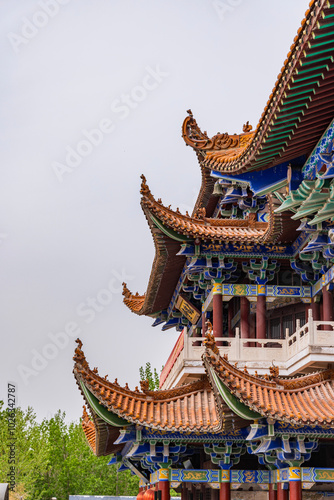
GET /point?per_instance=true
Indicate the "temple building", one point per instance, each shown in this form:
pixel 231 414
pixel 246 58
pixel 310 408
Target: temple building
pixel 246 395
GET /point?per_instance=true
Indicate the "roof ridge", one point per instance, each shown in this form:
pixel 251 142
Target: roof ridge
pixel 231 162
pixel 145 408
pixel 82 367
pixel 226 370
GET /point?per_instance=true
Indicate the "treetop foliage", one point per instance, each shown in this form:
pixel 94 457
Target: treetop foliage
pixel 151 375
pixel 53 459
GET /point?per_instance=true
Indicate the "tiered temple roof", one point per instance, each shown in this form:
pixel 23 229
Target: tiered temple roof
pixel 300 400
pixel 297 113
pixel 200 227
pixel 260 238
pixel 190 407
pixel 234 396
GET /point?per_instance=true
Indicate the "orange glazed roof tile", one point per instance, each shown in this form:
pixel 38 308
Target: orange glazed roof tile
pixel 186 408
pixel 234 230
pixel 89 429
pixel 99 434
pixel 302 400
pixel 232 153
pixel 134 302
pixel 221 148
pixel 168 264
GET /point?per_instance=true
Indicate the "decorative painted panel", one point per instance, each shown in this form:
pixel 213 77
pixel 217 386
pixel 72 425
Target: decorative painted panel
pixel 308 476
pixel 195 476
pixel 188 310
pixel 311 166
pixel 235 435
pixel 323 281
pixel 250 476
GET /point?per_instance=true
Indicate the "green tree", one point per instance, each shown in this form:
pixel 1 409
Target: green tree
pixel 151 375
pixel 53 459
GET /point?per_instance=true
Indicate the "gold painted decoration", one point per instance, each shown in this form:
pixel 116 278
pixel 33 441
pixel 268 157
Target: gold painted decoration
pixel 194 475
pixel 188 310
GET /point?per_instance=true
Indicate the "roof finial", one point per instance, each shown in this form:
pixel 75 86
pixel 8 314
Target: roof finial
pixel 126 292
pixel 78 341
pixel 144 385
pixel 247 127
pixel 201 213
pixel 144 189
pixel 210 342
pixel 274 371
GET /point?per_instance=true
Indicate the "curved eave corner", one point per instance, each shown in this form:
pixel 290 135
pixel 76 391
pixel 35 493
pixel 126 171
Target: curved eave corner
pixel 304 400
pixel 271 140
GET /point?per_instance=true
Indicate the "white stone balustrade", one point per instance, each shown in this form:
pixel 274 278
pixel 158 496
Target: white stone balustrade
pixel 309 348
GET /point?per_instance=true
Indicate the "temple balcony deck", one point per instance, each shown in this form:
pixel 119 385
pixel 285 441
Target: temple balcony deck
pixel 309 348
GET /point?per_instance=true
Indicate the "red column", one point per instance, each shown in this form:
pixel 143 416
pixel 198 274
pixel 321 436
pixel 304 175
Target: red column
pixel 203 324
pixel 163 486
pixel 217 317
pixel 272 491
pixel 295 484
pixel 261 317
pixel 230 318
pixel 225 491
pixel 244 318
pixel 327 300
pixel 295 490
pixel 281 494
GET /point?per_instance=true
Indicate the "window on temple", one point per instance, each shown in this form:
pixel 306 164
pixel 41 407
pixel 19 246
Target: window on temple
pixel 302 318
pixel 288 323
pixel 275 328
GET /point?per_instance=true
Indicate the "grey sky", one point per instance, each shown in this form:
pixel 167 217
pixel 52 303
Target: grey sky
pixel 69 232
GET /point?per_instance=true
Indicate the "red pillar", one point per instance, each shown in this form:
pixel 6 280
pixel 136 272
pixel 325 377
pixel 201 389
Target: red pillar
pixel 272 491
pixel 295 490
pixel 225 486
pixel 244 318
pixel 230 318
pixel 327 300
pixel 163 486
pixel 225 491
pixel 281 494
pixel 203 323
pixel 295 484
pixel 261 317
pixel 217 317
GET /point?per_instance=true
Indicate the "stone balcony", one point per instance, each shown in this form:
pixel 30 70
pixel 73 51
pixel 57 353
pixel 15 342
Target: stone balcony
pixel 309 348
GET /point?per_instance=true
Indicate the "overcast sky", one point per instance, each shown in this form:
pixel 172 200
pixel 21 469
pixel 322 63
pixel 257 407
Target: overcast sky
pixel 94 94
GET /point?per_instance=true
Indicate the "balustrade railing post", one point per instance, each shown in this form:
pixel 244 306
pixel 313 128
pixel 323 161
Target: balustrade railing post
pixel 238 342
pixel 285 343
pixel 310 328
pixel 186 342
